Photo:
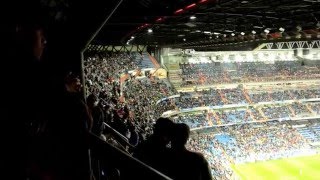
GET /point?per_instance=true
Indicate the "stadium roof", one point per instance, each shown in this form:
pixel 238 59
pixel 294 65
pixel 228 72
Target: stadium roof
pixel 187 23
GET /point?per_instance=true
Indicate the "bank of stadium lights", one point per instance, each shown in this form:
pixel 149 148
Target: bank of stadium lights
pixel 258 27
pixel 193 17
pixel 128 42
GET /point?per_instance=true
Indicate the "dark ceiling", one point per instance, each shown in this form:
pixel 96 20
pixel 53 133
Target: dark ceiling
pixel 225 21
pixel 216 22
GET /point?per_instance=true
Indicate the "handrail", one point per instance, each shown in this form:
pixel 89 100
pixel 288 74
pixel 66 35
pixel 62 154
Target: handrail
pixel 115 131
pixel 122 138
pixel 119 136
pixel 129 167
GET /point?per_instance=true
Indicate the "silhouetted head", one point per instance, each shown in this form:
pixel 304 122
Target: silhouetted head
pixel 163 129
pixel 180 136
pixel 163 126
pixel 72 83
pixel 31 40
pixel 92 100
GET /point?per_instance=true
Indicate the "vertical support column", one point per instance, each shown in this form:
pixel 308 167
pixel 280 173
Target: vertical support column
pixel 299 52
pixel 279 45
pixel 269 45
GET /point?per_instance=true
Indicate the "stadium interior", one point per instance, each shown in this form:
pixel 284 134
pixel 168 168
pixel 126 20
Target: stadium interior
pixel 243 75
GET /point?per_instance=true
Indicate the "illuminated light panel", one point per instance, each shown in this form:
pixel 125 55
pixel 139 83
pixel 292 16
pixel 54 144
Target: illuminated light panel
pixel 193 17
pixel 178 11
pixel 203 1
pixel 190 6
pixel 159 19
pixel 143 26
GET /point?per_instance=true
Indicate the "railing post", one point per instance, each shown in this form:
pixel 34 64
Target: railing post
pixel 88 43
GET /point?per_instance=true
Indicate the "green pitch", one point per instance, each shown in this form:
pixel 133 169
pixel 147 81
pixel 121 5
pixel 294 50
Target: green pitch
pixel 301 168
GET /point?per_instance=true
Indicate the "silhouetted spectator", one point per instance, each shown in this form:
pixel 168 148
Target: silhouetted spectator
pixel 70 133
pixel 134 136
pixel 97 114
pixel 118 123
pixel 186 164
pixel 154 150
pixel 29 92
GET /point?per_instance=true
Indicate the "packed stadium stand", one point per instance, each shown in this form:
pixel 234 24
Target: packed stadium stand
pixel 95 76
pixel 232 121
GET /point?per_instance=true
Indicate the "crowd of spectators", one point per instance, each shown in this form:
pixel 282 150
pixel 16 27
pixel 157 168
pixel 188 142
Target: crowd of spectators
pixel 276 112
pixel 132 104
pixel 236 72
pixel 193 120
pixel 205 118
pixel 243 143
pixel 256 114
pixel 125 97
pixel 300 110
pixel 234 116
pixel 141 96
pixel 315 107
pixel 218 97
pixel 138 98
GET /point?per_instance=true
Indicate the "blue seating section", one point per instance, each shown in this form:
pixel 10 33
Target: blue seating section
pixel 316 129
pixel 145 62
pixel 193 121
pixel 224 139
pixel 312 134
pixel 236 117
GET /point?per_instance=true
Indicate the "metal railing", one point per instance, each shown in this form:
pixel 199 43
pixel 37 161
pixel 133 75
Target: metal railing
pixel 114 158
pixel 121 139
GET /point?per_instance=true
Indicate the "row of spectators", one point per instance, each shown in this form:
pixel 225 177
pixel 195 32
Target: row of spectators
pixel 217 97
pixel 213 73
pixel 205 118
pixel 193 120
